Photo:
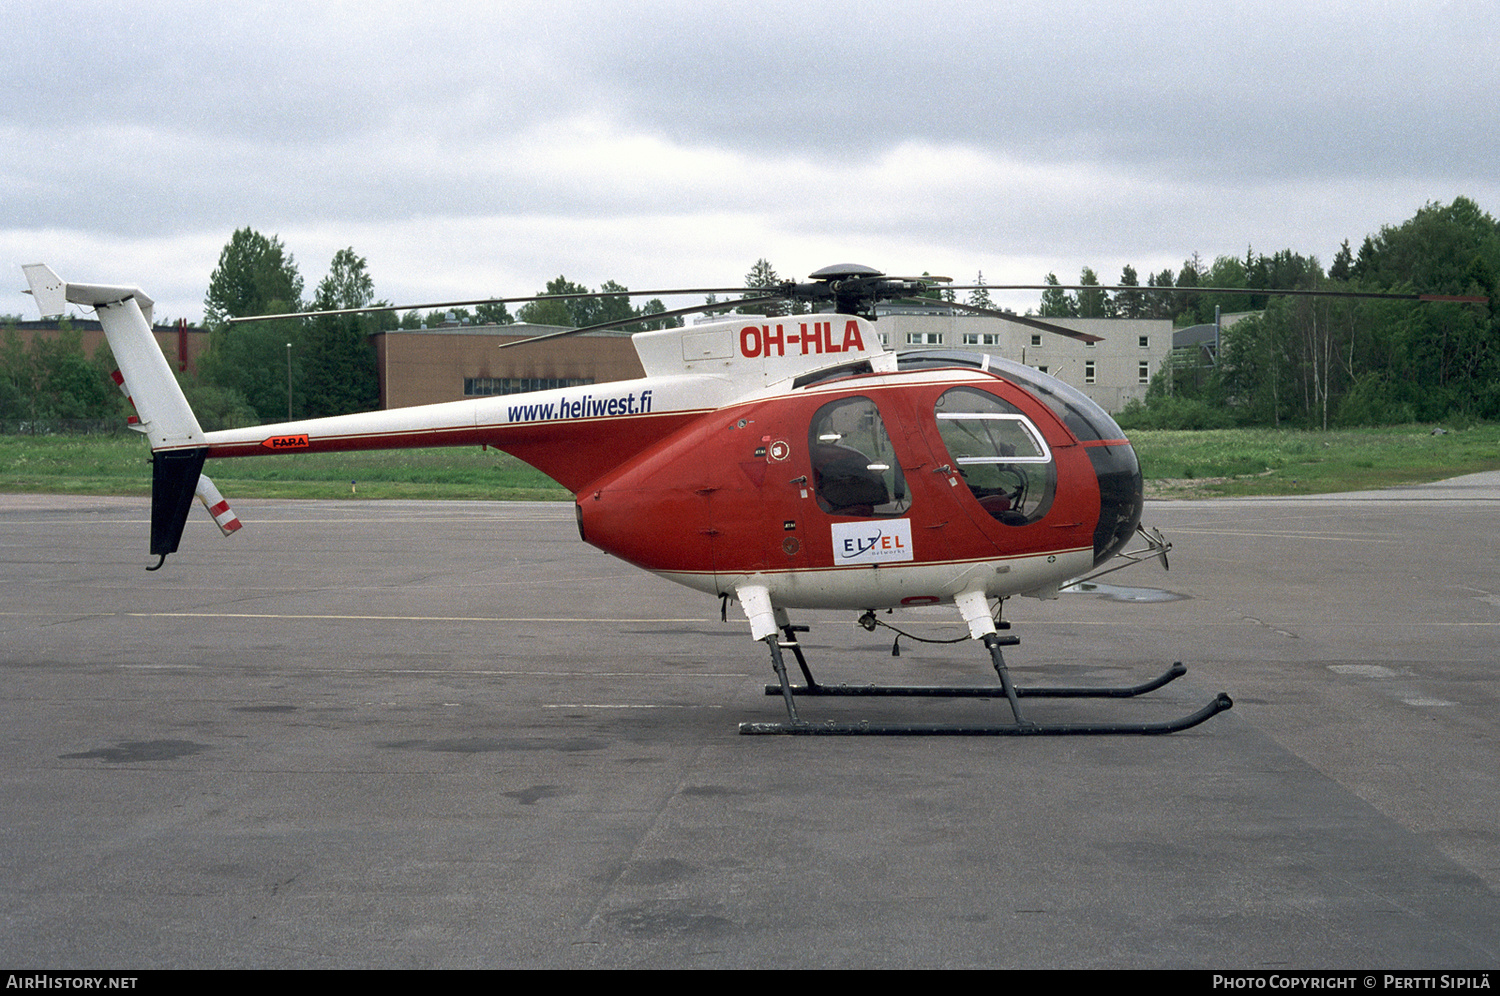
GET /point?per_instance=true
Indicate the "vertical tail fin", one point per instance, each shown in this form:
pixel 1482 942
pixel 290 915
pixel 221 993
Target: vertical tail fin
pixel 125 314
pixel 177 442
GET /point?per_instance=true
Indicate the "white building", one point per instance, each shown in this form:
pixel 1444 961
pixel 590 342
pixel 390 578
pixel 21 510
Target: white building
pixel 1110 372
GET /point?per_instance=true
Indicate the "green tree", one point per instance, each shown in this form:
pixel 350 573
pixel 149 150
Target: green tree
pixel 251 360
pixel 55 380
pixel 614 306
pixel 255 276
pixel 979 297
pixel 218 407
pixel 575 314
pixel 1343 263
pixel 1130 304
pixel 1324 361
pixel 1186 304
pixel 1432 251
pixel 1160 303
pixel 1091 303
pixel 16 383
pixel 1226 271
pixel 493 314
pixel 610 303
pixel 1056 302
pixel 1438 359
pixel 656 307
pixel 762 277
pixel 339 359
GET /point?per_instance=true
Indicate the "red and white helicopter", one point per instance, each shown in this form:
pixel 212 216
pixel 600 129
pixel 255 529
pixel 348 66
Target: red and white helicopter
pixel 800 463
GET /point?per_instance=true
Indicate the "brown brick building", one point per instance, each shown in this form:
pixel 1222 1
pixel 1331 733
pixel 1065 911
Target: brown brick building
pixel 183 346
pixel 426 366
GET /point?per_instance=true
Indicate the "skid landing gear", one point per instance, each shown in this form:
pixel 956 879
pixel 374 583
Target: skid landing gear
pixel 1020 727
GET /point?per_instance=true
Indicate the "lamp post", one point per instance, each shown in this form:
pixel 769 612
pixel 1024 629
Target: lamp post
pixel 288 382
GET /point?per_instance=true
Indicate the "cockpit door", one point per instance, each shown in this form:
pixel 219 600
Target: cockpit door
pixel 1000 465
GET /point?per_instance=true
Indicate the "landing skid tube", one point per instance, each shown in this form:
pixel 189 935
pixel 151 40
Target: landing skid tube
pixel 1021 727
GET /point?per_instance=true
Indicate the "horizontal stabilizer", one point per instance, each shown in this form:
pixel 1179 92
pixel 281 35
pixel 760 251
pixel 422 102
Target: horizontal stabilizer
pixel 53 294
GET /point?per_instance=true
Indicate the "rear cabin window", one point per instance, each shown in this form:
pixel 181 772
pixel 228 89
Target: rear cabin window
pixel 855 470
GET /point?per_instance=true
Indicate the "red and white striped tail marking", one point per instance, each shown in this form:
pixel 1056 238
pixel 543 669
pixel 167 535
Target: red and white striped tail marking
pixel 224 516
pixel 119 379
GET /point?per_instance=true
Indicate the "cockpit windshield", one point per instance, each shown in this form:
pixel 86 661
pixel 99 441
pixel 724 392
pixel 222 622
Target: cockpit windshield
pixel 1078 412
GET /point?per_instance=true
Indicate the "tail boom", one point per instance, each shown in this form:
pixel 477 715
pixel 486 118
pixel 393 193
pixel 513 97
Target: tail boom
pixel 573 452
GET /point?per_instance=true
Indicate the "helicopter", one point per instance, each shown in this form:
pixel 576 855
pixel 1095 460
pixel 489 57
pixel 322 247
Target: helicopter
pixel 781 463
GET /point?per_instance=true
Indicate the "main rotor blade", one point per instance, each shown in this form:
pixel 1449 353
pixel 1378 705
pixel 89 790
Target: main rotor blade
pixel 681 291
pixel 378 308
pixel 636 319
pixel 1246 291
pixel 1018 319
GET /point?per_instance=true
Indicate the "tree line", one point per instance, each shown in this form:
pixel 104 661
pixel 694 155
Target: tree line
pixel 1292 361
pixel 1322 361
pixel 52 380
pixel 284 368
pixel 243 377
pixel 331 357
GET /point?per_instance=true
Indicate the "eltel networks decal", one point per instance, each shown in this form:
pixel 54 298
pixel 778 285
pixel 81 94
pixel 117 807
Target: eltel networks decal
pixel 884 542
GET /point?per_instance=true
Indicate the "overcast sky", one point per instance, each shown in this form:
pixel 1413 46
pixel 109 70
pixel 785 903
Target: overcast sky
pixel 471 149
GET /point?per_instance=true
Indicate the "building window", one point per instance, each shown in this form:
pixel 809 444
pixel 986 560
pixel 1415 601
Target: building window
pixel 1088 370
pixel 1145 342
pixel 1042 369
pixel 924 338
pixel 1036 338
pixel 484 387
pixel 1143 372
pixel 981 339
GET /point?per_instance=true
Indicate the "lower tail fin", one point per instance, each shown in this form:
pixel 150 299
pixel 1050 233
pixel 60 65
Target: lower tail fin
pixel 174 482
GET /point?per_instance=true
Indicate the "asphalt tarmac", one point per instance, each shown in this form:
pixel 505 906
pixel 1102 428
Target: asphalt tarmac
pixel 433 735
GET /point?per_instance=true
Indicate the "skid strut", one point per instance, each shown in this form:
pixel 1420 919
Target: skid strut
pixel 1019 727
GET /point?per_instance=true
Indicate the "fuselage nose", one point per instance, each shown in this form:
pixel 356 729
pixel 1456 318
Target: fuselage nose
pixel 1121 497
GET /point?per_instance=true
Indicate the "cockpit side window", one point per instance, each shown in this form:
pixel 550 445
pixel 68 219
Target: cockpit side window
pixel 855 470
pixel 999 453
